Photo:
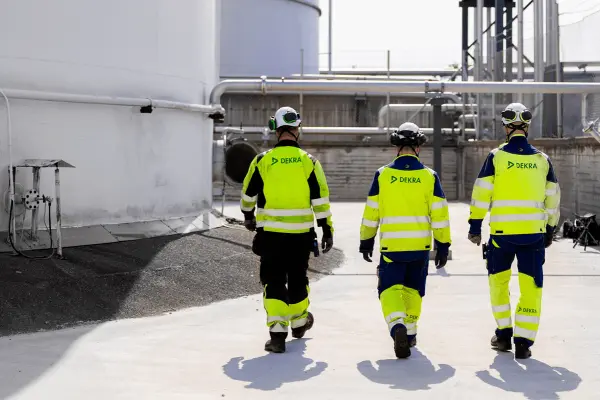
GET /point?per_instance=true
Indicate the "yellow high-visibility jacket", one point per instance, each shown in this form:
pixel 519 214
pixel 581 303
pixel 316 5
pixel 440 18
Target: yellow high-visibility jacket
pixel 518 185
pixel 407 203
pixel 289 190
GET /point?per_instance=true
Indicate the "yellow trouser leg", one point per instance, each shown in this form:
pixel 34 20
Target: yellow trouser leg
pixel 299 312
pixel 412 301
pixel 277 313
pixel 392 305
pixel 500 298
pixel 529 309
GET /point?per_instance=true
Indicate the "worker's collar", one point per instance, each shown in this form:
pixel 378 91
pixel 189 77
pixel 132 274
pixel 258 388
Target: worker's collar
pixel 287 142
pixel 407 155
pixel 517 137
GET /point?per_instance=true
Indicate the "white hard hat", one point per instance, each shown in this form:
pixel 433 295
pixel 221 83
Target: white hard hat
pixel 285 116
pixel 516 112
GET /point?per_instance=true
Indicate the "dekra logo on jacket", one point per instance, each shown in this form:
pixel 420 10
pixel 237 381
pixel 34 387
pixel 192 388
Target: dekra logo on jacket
pixel 405 179
pixel 522 165
pixel 286 160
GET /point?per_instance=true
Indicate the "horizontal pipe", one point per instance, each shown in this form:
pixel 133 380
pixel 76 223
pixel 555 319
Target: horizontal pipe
pixel 570 69
pixel 107 100
pixel 419 95
pixel 327 130
pixel 396 87
pixel 356 77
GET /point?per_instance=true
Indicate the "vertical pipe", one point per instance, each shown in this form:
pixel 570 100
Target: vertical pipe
pixel 465 60
pixel 388 95
pixel 509 49
pixel 437 135
pixel 548 33
pixel 538 21
pixel 301 74
pixel 493 96
pixel 559 105
pixel 35 211
pixel 520 50
pixel 478 61
pixel 499 53
pixel 58 213
pixel 490 57
pixel 330 45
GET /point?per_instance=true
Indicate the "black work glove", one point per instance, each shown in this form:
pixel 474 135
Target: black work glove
pixel 366 248
pixel 327 239
pixel 250 224
pixel 257 243
pixel 475 231
pixel 441 254
pixel 548 236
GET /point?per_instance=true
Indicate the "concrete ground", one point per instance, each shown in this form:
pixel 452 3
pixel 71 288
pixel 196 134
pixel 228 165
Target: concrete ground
pixel 216 351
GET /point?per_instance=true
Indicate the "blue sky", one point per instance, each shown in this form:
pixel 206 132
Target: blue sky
pixel 419 33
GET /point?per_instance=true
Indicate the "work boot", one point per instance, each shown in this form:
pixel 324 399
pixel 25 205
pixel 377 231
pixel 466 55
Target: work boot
pixel 299 332
pixel 522 351
pixel 277 343
pixel 413 341
pixel 401 345
pixel 501 344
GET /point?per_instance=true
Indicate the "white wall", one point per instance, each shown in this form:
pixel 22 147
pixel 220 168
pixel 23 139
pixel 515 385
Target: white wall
pixel 129 166
pixel 264 37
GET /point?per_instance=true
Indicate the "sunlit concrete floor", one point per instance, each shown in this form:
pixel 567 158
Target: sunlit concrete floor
pixel 216 351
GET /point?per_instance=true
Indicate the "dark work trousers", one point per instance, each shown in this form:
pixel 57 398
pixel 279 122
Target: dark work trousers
pixel 283 274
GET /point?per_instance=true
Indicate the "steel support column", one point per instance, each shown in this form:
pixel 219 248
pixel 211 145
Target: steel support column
pixel 437 103
pixel 509 50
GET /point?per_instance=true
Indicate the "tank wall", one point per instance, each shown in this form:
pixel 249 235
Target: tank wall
pixel 129 166
pixel 265 37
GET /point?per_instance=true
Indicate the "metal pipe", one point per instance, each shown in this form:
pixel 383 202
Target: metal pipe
pixel 359 77
pixel 478 59
pixel 301 99
pixel 107 100
pixel 538 21
pixel 559 99
pixel 383 114
pixel 509 49
pixel 397 87
pixel 491 66
pixel 388 94
pixel 499 57
pixel 548 35
pixel 520 54
pixel 419 95
pixel 58 212
pixel 330 44
pixel 35 211
pixel 465 57
pixel 326 130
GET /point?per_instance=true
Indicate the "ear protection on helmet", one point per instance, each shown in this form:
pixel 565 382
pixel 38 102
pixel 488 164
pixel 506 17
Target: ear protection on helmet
pixel 272 124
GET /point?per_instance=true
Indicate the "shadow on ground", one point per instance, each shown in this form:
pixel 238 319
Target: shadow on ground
pixel 118 280
pixel 271 371
pixel 416 373
pixel 535 379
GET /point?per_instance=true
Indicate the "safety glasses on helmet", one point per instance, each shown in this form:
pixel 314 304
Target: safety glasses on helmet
pixel 517 116
pixel 290 117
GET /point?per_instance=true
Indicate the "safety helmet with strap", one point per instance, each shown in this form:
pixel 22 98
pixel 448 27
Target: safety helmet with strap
pixel 408 134
pixel 284 119
pixel 516 117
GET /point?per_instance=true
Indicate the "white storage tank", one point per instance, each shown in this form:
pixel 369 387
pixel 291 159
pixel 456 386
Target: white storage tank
pixel 130 166
pixel 266 37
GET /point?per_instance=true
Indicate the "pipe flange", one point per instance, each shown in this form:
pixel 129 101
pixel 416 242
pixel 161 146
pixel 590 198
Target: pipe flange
pixel 263 84
pixel 426 87
pixel 442 86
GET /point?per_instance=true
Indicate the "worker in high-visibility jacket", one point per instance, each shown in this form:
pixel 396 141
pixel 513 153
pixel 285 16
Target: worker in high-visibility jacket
pixel 406 202
pixel 288 187
pixel 518 185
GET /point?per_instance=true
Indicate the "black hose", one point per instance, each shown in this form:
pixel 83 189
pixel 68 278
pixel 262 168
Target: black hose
pixel 10 218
